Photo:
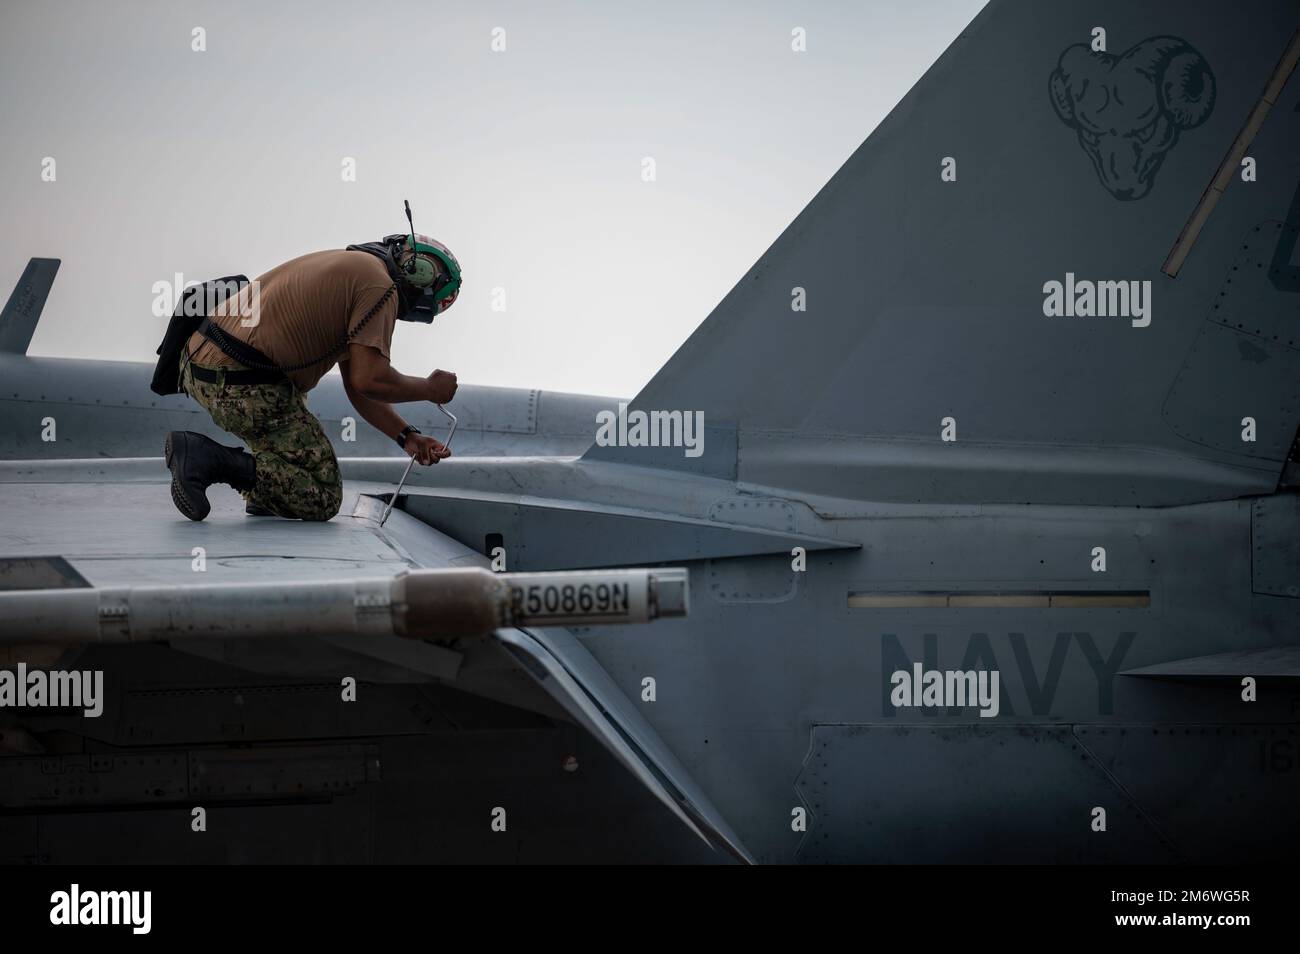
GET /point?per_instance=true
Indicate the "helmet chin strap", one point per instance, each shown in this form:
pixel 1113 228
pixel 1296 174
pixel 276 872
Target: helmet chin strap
pixel 409 295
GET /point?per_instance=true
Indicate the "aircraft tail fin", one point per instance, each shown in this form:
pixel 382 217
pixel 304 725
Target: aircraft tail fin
pixel 976 307
pixel 23 310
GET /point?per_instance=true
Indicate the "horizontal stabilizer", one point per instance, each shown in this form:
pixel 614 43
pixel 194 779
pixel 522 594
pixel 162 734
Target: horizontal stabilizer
pixel 1274 662
pixel 23 310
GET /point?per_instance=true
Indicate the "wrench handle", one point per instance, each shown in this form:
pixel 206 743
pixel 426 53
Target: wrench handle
pixel 411 463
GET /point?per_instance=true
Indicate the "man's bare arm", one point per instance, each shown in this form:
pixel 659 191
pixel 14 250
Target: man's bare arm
pixel 369 373
pixel 383 418
pixel 377 414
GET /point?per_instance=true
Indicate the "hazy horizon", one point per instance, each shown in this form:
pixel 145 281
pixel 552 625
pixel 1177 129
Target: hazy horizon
pixel 526 162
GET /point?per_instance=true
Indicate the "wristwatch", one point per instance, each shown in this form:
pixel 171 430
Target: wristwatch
pixel 406 432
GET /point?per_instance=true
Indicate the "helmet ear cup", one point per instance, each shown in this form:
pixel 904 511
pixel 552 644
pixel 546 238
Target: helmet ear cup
pixel 420 272
pixel 430 268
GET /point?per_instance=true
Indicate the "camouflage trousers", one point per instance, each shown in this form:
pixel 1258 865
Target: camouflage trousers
pixel 297 472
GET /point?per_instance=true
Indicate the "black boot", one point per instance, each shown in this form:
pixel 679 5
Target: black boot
pixel 197 462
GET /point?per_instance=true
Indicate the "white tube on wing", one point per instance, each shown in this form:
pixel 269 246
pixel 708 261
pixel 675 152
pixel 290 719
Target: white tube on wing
pixel 420 604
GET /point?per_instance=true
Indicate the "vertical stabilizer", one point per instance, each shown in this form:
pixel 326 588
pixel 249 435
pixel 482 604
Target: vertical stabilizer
pixel 981 305
pixel 23 310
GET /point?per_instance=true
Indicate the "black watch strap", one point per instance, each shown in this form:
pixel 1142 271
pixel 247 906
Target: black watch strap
pixel 406 432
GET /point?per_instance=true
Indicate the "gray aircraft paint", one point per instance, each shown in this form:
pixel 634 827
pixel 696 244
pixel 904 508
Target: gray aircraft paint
pixel 823 427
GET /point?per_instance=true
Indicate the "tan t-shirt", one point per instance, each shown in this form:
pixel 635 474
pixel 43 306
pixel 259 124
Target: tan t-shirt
pixel 303 309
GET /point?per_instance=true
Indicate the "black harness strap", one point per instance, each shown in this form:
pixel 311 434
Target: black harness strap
pixel 232 347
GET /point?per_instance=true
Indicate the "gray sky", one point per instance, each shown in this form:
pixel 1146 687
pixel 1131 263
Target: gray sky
pixel 527 162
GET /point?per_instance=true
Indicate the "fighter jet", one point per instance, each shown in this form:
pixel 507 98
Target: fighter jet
pixel 983 476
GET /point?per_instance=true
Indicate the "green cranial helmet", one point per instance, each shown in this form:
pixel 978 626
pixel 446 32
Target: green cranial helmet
pixel 428 265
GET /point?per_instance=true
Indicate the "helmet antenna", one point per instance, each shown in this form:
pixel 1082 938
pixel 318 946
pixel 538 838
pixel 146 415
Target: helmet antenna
pixel 410 262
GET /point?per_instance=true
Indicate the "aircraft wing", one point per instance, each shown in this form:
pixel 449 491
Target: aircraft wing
pixel 136 539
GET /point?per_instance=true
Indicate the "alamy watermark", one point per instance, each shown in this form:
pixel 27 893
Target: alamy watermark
pixel 1084 298
pixel 53 689
pixel 651 429
pixel 77 907
pixel 946 688
pixel 214 299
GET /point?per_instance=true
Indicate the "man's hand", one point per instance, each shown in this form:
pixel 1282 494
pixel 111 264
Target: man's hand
pixel 426 450
pixel 442 386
